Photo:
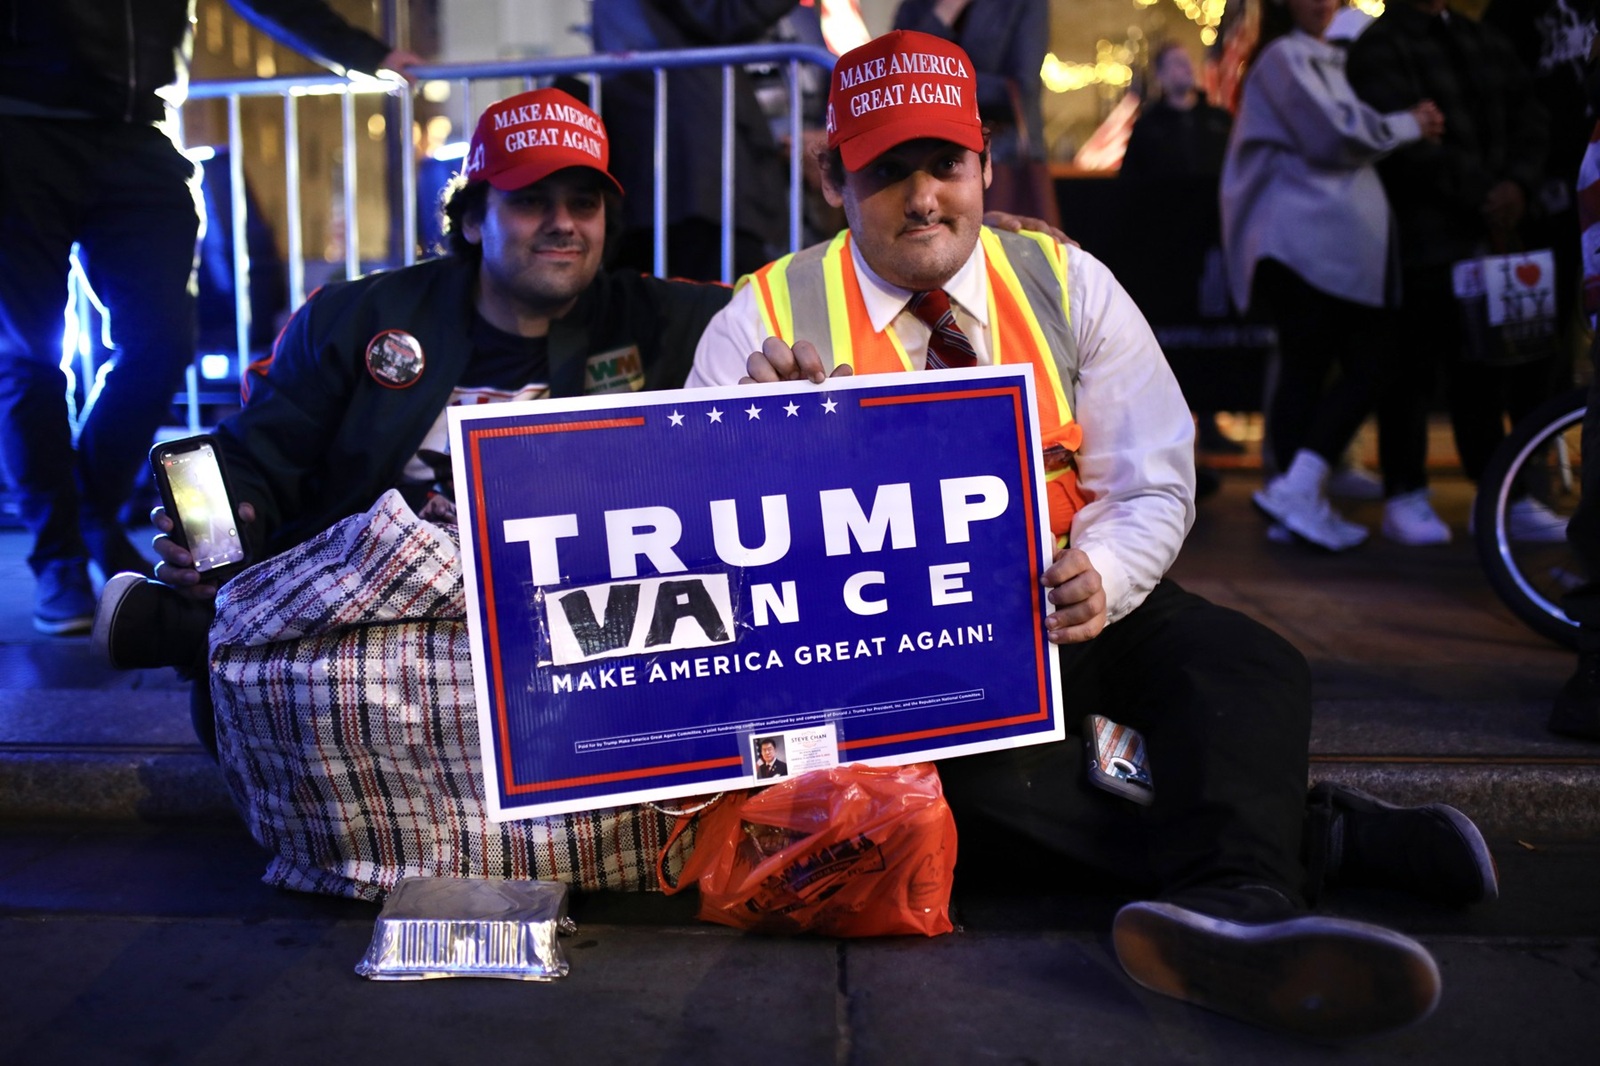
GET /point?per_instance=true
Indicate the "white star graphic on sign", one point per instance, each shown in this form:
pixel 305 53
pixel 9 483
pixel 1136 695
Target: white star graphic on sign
pixel 753 411
pixel 829 406
pixel 675 418
pixel 792 407
pixel 714 414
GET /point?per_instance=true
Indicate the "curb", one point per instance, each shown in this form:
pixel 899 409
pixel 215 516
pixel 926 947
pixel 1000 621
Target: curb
pixel 1549 798
pixel 164 785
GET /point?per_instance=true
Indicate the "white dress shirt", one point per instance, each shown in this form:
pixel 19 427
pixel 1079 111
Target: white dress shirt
pixel 1136 465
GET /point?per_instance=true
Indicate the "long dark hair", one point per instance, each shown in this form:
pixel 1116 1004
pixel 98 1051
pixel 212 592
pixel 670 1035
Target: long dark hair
pixel 1275 22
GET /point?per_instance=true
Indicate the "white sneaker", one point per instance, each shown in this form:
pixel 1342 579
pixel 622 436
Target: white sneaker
pixel 1531 522
pixel 1410 519
pixel 1308 516
pixel 1355 483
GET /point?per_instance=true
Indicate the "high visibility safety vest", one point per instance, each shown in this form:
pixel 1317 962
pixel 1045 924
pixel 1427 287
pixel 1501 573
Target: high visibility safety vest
pixel 813 295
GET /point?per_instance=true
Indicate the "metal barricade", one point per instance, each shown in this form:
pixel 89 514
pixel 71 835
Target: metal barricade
pixel 789 57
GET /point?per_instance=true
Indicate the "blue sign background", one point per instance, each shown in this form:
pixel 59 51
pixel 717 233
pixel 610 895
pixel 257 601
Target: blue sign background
pixel 556 741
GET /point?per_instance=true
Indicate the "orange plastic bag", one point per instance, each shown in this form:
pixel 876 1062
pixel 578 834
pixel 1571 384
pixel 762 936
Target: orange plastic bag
pixel 851 851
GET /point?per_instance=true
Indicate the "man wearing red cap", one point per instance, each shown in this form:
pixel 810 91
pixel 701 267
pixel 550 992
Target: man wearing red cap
pixel 1231 846
pixel 352 400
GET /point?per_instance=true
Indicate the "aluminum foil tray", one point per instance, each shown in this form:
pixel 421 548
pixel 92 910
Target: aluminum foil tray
pixel 469 927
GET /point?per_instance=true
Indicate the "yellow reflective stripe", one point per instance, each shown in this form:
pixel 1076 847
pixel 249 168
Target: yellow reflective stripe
pixel 759 284
pixel 833 284
pixel 777 313
pixel 1008 276
pixel 1061 273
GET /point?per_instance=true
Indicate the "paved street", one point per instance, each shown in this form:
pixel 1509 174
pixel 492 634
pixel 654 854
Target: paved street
pixel 152 945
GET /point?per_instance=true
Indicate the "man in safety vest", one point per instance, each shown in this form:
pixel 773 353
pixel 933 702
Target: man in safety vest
pixel 1231 847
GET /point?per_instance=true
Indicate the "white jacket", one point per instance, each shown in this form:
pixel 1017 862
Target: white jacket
pixel 1298 183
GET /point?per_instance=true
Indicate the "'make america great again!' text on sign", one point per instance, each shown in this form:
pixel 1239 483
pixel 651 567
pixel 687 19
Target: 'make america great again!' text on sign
pixel 659 584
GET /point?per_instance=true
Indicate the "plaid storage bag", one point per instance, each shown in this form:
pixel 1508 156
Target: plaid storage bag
pixel 348 730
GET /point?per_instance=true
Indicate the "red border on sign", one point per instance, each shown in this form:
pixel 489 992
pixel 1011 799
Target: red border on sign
pixel 480 506
pixel 512 787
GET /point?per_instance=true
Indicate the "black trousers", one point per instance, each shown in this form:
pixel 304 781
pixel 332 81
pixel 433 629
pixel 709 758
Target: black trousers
pixel 1480 396
pixel 1225 708
pixel 126 195
pixel 1582 604
pixel 1319 334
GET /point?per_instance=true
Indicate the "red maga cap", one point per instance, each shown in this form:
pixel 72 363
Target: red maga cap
pixel 525 138
pixel 899 87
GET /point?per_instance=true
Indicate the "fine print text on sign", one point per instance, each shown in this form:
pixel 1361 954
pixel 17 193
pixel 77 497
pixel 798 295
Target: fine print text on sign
pixel 675 593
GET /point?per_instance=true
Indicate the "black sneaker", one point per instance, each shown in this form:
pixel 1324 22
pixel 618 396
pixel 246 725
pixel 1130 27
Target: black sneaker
pixel 1433 851
pixel 1305 974
pixel 63 599
pixel 1577 709
pixel 143 624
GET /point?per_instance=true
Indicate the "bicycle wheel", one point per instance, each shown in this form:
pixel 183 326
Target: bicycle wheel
pixel 1539 465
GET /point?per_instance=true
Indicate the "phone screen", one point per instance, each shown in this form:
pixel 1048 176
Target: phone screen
pixel 201 500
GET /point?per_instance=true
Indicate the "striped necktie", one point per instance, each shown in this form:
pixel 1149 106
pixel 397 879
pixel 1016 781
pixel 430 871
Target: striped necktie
pixel 947 345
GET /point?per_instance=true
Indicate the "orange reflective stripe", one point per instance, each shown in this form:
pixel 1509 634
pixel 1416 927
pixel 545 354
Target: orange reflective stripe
pixel 1069 436
pixel 1015 338
pixel 762 281
pixel 869 351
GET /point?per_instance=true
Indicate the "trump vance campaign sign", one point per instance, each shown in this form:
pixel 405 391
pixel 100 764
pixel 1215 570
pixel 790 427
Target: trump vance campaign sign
pixel 674 593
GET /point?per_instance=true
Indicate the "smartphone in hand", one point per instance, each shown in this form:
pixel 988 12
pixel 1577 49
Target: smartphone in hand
pixel 194 491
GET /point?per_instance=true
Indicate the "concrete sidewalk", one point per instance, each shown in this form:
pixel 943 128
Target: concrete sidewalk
pixel 1425 685
pixel 159 945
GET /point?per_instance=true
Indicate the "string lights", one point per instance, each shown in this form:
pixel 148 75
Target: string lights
pixel 1113 63
pixel 1111 66
pixel 1207 14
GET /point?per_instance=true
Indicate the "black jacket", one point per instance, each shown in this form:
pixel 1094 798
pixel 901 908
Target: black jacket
pixel 1495 129
pixel 694 114
pixel 1006 41
pixel 1551 37
pixel 1171 145
pixel 320 438
pixel 109 58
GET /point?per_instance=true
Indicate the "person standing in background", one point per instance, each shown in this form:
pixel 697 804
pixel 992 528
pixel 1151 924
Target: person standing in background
pixel 1171 165
pixel 1179 134
pixel 1307 227
pixel 694 137
pixel 1576 711
pixel 1552 39
pixel 1455 199
pixel 89 159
